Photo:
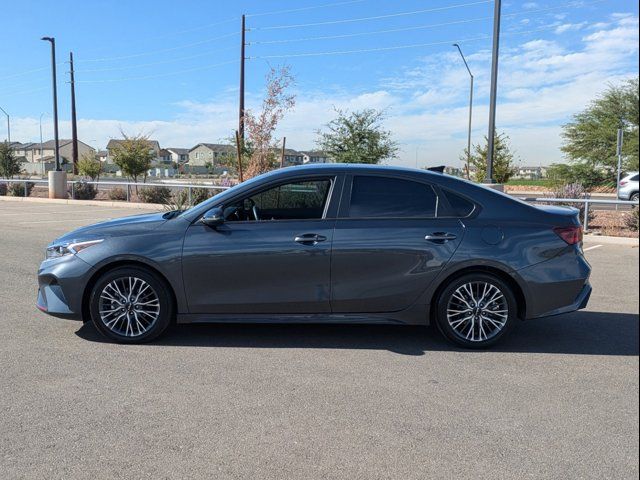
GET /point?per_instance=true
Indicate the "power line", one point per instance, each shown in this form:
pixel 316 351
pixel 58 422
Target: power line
pixel 422 27
pixel 302 9
pixel 152 64
pixel 24 73
pixel 397 47
pixel 148 77
pixel 349 35
pixel 164 50
pixel 377 17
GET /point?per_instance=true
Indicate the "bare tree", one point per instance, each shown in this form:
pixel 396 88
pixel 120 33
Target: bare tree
pixel 260 126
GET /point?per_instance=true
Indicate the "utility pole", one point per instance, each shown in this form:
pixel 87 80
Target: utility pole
pixel 8 125
pixel 284 144
pixel 619 153
pixel 74 124
pixel 494 90
pixel 242 60
pixel 470 109
pixel 41 136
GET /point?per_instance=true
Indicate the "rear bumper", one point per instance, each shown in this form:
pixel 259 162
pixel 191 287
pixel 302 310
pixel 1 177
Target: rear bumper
pixel 559 285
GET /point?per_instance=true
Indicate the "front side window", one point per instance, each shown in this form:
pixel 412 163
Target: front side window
pixel 291 201
pixel 380 197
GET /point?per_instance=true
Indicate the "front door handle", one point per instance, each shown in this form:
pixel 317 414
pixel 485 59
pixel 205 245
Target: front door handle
pixel 309 239
pixel 440 237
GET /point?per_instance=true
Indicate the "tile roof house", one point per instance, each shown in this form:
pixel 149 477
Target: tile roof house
pixel 205 153
pixel 154 147
pixel 38 152
pixel 178 155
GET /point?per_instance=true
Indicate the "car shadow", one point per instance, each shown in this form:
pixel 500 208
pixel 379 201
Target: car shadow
pixel 585 333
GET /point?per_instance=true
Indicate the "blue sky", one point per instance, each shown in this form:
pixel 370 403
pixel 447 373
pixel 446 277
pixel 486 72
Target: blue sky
pixel 170 69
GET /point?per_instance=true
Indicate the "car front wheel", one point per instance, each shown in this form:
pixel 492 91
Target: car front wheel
pixel 131 305
pixel 476 310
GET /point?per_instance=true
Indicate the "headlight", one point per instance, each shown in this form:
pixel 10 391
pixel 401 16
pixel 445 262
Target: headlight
pixel 55 251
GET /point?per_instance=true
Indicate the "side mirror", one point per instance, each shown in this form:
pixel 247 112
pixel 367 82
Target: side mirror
pixel 213 218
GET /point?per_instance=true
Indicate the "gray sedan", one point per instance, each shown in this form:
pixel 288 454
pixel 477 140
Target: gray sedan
pixel 326 243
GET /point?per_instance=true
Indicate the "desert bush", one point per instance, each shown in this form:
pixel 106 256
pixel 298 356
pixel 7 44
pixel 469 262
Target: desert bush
pixel 117 194
pixel 180 200
pixel 155 195
pixel 84 191
pixel 631 219
pixel 18 189
pixel 576 191
pixel 3 189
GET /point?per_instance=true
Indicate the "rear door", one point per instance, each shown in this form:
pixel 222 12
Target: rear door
pixel 388 244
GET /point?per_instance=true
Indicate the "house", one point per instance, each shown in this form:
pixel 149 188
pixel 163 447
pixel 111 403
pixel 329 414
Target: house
pixel 205 154
pixel 530 173
pixel 38 152
pixel 315 156
pixel 179 155
pixel 154 147
pixel 292 157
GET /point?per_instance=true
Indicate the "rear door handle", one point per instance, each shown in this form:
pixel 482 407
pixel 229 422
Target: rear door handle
pixel 440 237
pixel 309 239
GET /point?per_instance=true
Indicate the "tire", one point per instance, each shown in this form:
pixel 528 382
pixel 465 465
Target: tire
pixel 131 305
pixel 634 197
pixel 478 325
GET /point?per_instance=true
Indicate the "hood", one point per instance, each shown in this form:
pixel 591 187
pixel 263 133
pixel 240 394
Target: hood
pixel 116 227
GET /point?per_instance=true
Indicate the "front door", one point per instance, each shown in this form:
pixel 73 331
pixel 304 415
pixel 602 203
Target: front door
pixel 388 244
pixel 272 254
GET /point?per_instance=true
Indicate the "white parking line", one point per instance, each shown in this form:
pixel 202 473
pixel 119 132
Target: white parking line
pixel 592 248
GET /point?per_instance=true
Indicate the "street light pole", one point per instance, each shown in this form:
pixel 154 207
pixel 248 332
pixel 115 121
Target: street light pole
pixel 57 178
pixel 470 109
pixel 55 101
pixel 8 125
pixel 494 91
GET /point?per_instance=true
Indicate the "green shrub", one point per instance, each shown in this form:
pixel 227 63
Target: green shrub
pixel 18 189
pixel 117 194
pixel 155 195
pixel 84 191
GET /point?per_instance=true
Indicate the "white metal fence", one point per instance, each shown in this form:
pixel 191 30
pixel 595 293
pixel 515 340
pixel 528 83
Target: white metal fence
pixel 588 202
pixel 127 186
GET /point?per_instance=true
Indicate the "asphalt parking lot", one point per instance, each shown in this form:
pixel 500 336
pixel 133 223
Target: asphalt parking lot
pixel 558 399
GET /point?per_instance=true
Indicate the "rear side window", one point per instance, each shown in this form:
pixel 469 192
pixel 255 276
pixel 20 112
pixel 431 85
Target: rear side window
pixel 634 178
pixel 379 197
pixel 460 207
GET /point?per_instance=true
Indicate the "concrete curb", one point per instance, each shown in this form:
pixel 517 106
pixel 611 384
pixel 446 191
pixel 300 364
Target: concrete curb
pixel 607 240
pixel 98 203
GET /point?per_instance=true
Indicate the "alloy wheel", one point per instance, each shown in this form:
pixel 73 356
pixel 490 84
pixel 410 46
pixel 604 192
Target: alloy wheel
pixel 128 306
pixel 477 311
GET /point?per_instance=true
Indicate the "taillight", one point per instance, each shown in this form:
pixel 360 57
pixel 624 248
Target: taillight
pixel 623 183
pixel 571 235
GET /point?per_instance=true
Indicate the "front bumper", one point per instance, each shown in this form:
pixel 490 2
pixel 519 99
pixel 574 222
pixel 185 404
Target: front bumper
pixel 61 283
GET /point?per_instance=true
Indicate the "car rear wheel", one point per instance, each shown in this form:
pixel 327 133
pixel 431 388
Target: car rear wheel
pixel 634 197
pixel 476 310
pixel 131 305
